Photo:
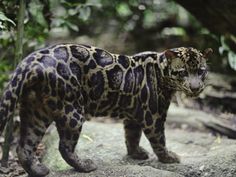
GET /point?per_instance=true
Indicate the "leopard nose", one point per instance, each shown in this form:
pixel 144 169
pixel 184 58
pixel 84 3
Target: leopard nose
pixel 194 89
pixel 194 84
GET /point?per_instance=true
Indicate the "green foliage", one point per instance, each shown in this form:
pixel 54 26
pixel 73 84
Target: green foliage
pixel 4 72
pixel 36 12
pixel 123 10
pixel 226 42
pixel 6 39
pixel 6 35
pixel 57 18
pixel 4 20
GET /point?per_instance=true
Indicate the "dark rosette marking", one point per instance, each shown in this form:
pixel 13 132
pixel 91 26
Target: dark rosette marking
pixel 63 71
pixel 79 52
pixel 47 61
pixel 124 61
pixel 102 57
pixel 61 53
pixel 76 70
pixel 30 59
pixel 52 80
pixel 139 112
pixel 115 77
pixel 144 94
pixel 91 65
pixel 148 118
pixel 139 75
pixel 68 109
pixel 73 122
pixel 96 82
pixel 129 81
pixel 44 51
pixel 144 55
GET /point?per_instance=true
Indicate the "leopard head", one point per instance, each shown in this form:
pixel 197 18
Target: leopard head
pixel 187 69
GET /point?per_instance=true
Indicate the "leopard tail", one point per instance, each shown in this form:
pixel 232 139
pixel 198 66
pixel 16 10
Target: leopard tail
pixel 9 100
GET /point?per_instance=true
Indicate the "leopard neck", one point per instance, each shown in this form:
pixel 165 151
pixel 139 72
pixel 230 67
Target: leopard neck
pixel 164 72
pixel 161 72
pixel 156 67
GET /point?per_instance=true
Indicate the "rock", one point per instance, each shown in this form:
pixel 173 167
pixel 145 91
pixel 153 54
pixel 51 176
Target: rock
pixel 201 154
pixel 104 144
pixel 119 171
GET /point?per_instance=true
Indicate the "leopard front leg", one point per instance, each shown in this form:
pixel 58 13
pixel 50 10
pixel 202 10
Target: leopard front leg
pixel 69 129
pixel 156 136
pixel 133 132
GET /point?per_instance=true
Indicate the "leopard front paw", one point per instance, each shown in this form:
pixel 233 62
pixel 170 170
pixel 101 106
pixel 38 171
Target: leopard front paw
pixel 168 157
pixel 139 154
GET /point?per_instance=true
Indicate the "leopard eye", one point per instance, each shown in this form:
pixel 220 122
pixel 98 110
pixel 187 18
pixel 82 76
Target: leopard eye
pixel 183 73
pixel 201 71
pixel 174 73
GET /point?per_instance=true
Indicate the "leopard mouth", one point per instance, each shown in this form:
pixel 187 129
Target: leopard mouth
pixel 192 94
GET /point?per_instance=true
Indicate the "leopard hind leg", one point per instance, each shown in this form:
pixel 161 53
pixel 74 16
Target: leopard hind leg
pixel 69 128
pixel 33 127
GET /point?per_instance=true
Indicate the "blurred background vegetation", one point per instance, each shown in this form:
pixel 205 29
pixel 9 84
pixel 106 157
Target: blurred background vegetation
pixel 120 26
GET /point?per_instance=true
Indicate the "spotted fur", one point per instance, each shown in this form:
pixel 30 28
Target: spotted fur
pixel 67 83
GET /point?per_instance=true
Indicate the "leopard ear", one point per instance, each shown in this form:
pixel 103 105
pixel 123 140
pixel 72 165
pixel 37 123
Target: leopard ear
pixel 207 52
pixel 169 54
